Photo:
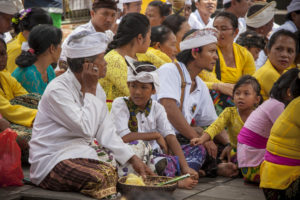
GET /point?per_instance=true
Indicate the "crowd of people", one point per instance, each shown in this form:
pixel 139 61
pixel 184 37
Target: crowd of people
pixel 175 88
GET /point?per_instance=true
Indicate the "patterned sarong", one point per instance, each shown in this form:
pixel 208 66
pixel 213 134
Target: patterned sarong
pixel 87 176
pixel 251 174
pixel 221 101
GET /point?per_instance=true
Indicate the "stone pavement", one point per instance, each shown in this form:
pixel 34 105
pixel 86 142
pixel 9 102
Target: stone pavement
pixel 219 188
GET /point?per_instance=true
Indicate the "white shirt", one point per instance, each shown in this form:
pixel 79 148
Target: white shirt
pixel 66 123
pixel 196 22
pixel 197 105
pixel 156 121
pixel 89 27
pixel 288 25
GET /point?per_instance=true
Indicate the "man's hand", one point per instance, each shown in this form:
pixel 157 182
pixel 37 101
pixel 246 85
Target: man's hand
pixel 140 167
pixel 211 148
pixel 90 75
pixel 162 143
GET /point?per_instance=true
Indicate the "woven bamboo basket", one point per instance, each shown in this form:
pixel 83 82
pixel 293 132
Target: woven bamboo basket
pixel 150 182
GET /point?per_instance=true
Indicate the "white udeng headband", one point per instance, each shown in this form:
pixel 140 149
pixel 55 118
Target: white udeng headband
pixel 261 17
pixel 199 38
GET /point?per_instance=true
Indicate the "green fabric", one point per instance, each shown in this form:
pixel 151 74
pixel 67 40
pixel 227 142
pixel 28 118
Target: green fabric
pixel 56 18
pixel 134 110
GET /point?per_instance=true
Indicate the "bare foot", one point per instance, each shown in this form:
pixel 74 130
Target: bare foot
pixel 227 169
pixel 187 183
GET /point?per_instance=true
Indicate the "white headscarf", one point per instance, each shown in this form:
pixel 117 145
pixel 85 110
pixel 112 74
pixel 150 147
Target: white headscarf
pixel 85 44
pixel 143 77
pixel 294 6
pixel 188 2
pixel 226 1
pixel 199 38
pixel 262 16
pixel 129 1
pixel 10 6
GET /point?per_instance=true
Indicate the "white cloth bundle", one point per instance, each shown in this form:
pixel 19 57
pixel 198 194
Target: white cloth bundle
pixel 261 17
pixel 11 6
pixel 294 6
pixel 199 38
pixel 85 44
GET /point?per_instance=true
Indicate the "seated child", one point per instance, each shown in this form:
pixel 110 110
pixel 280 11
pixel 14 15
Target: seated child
pixel 246 96
pixel 143 124
pixel 280 170
pixel 254 135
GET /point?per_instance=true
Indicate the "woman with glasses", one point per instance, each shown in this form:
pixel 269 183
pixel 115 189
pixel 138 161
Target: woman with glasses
pixel 234 61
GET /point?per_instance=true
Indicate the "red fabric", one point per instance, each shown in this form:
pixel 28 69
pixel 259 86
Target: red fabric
pixel 10 160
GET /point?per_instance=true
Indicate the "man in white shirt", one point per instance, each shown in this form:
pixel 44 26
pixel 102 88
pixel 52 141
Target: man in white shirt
pixel 200 18
pixel 7 9
pixel 103 16
pixel 72 112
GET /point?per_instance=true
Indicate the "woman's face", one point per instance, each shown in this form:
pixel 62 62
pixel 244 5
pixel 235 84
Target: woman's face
pixel 169 46
pixel 283 52
pixel 227 33
pixel 3 56
pixel 184 27
pixel 145 42
pixel 152 12
pixel 56 52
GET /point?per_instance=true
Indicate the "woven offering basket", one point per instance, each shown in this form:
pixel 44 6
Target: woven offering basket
pixel 150 181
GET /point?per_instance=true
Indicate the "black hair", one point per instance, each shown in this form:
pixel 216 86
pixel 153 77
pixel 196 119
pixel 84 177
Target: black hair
pixel 186 56
pixel 29 18
pixel 163 8
pixel 2 40
pixel 228 5
pixel 40 39
pixel 174 22
pixel 76 64
pixel 232 18
pixel 248 79
pixel 130 27
pixel 283 32
pixel 111 4
pixel 159 34
pixel 251 39
pixel 284 82
pixel 295 86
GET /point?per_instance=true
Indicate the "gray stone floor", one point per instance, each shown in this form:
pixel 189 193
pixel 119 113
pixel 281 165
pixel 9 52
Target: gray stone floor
pixel 208 189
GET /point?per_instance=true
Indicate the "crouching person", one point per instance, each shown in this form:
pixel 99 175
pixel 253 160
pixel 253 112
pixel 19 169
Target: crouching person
pixel 71 114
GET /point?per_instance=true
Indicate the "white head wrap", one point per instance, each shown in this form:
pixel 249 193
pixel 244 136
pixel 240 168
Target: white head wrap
pixel 199 38
pixel 262 16
pixel 129 1
pixel 10 6
pixel 188 2
pixel 85 44
pixel 226 1
pixel 294 6
pixel 143 77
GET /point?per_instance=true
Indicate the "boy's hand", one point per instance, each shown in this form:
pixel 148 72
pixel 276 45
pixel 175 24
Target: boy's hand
pixel 162 143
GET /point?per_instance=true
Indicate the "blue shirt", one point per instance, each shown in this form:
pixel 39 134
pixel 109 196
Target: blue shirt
pixel 31 79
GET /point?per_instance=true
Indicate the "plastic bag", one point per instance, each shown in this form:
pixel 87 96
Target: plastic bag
pixel 11 173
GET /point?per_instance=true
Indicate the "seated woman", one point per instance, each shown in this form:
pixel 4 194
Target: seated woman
pixel 280 170
pixel 157 11
pixel 234 61
pixel 14 99
pixel 138 118
pixel 71 114
pixel 23 23
pixel 253 137
pixel 132 39
pixel 35 71
pixel 163 43
pixel 282 48
pixel 246 97
pixel 185 96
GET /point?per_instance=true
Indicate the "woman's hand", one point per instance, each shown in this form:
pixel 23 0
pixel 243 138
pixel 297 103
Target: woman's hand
pixel 226 153
pixel 211 149
pixel 224 88
pixel 197 141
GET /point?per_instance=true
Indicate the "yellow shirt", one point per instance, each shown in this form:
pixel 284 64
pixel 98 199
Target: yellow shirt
pixel 267 75
pixel 284 141
pixel 244 65
pixel 17 114
pixel 229 119
pixel 13 51
pixel 115 81
pixel 164 57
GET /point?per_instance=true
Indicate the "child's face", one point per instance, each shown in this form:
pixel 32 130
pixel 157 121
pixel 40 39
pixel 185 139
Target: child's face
pixel 245 97
pixel 140 93
pixel 3 56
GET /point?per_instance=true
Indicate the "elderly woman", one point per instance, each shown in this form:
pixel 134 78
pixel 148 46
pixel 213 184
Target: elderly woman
pixel 60 153
pixel 282 49
pixel 186 97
